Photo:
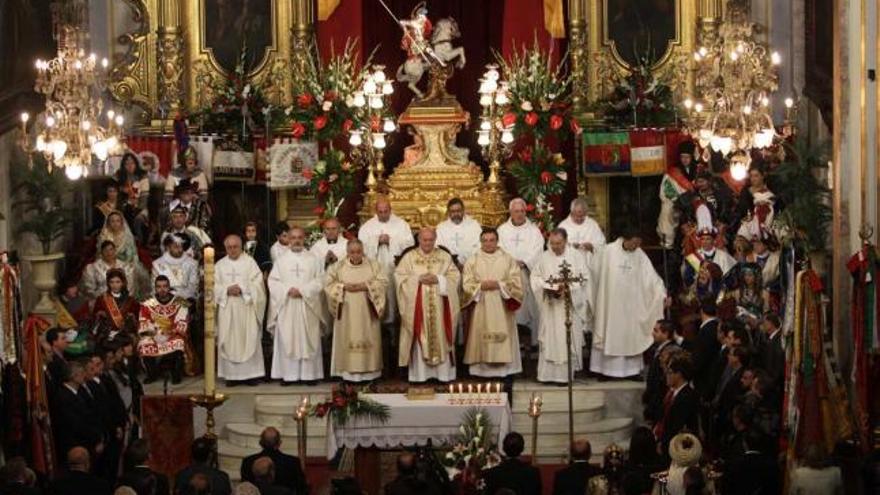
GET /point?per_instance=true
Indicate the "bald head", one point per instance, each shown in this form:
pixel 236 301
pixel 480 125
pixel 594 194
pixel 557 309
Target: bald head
pixel 355 251
pixel 427 238
pixel 383 209
pixel 331 229
pixel 579 210
pixel 581 450
pixel 270 438
pixel 517 210
pixel 78 459
pixel 296 237
pixel 232 244
pixel 264 470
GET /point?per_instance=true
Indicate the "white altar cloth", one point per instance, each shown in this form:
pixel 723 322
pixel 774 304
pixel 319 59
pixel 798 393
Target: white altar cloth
pixel 414 422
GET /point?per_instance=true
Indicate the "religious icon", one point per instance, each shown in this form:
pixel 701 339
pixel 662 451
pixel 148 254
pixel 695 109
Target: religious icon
pixel 233 26
pixel 640 29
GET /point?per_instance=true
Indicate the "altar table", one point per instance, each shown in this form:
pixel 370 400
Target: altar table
pixel 414 422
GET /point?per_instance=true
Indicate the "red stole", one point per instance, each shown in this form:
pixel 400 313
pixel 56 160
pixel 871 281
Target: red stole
pixel 419 320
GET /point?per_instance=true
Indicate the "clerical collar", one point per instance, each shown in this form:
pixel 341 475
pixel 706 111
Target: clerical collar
pixel 294 250
pixel 558 255
pixel 576 222
pixel 359 263
pixel 520 225
pixel 334 241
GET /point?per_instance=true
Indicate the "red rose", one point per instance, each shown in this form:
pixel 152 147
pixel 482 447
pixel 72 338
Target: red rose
pixel 323 186
pixel 346 126
pixel 319 211
pixel 546 177
pixel 298 130
pixel 508 119
pixel 530 207
pixel 339 401
pixel 321 410
pixel 531 119
pixel 320 122
pixel 304 100
pixel 575 127
pixel 555 122
pixel 329 95
pixel 375 123
pixel 308 173
pixel 526 155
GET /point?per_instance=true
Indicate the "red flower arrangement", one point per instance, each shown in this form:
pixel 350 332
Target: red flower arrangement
pixel 539 174
pixel 347 403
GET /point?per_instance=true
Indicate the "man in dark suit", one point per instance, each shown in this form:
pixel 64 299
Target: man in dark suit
pixel 202 454
pixel 78 480
pixel 263 472
pixel 73 420
pixel 655 386
pixel 706 348
pixel 513 473
pixel 57 367
pixel 138 474
pixel 288 469
pixel 408 481
pixel 681 404
pixel 573 479
pixel 772 353
pixel 729 392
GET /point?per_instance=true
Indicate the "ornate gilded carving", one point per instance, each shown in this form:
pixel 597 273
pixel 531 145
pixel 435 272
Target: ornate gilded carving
pixel 170 58
pixel 132 78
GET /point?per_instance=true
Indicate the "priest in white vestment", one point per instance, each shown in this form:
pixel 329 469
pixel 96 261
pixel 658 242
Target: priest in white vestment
pixel 459 233
pixel 629 299
pixel 553 356
pixel 295 309
pixel 94 279
pixel 427 291
pixel 522 239
pixel 492 291
pixel 181 270
pixel 355 289
pixel 385 236
pixel 330 248
pixel 584 234
pixel 281 244
pixel 241 303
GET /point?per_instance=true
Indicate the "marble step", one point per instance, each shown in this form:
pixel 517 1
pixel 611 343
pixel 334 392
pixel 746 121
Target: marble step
pixel 522 421
pixel 554 436
pixel 248 435
pixel 277 410
pixel 557 402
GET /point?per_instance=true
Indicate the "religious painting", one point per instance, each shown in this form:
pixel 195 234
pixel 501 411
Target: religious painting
pixel 238 28
pixel 641 29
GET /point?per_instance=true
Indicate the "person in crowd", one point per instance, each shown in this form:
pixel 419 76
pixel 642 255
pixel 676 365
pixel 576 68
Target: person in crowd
pixel 757 204
pixel 755 471
pixel 73 420
pixel 202 453
pixel 815 475
pixel 331 246
pixel 729 391
pixel 134 186
pixel 643 459
pixel 772 357
pixel 554 353
pixel 110 203
pixel 182 271
pixel 295 311
pixel 522 239
pixel 706 348
pixel 459 233
pixel 282 242
pixel 492 291
pixel 426 277
pixel 18 478
pixel 513 473
pixel 655 386
pixel 138 474
pixel 680 405
pixel 685 451
pixel 78 479
pixel 94 278
pixel 265 474
pixel 574 478
pixel 288 468
pixel 255 248
pixel 73 307
pixel 116 310
pixel 116 229
pixel 163 331
pixel 240 291
pixel 584 234
pixel 408 481
pixel 355 289
pixel 676 182
pixel 197 210
pixel 190 172
pixel 108 407
pixel 57 368
pixel 177 226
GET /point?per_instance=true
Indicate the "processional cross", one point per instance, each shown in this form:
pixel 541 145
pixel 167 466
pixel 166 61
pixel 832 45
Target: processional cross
pixel 564 280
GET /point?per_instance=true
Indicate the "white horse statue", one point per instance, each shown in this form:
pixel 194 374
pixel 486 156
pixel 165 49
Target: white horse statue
pixel 440 52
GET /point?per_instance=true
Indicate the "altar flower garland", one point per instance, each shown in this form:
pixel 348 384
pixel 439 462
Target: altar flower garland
pixel 347 403
pixel 539 174
pixel 472 453
pixel 239 105
pixel 333 179
pixel 322 109
pixel 639 99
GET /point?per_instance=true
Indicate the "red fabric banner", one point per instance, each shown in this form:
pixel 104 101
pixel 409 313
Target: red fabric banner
pixel 163 147
pixel 344 23
pixel 42 450
pixel 523 23
pixel 168 427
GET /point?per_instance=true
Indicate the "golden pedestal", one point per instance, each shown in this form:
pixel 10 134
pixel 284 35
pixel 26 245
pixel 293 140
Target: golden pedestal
pixel 419 191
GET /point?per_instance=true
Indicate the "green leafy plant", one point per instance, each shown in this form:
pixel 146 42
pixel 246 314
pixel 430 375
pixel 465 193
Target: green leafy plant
pixel 639 99
pixel 333 178
pixel 347 403
pixel 539 174
pixel 40 191
pixel 798 184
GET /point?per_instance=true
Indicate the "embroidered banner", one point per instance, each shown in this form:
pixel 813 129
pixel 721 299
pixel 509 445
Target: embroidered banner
pixel 290 164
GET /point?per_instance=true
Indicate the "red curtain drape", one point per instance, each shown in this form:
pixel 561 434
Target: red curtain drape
pixel 524 23
pixel 344 23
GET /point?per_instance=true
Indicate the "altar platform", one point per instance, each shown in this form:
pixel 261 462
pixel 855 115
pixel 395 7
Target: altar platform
pixel 604 413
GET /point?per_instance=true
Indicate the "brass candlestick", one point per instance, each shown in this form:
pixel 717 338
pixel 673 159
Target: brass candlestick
pixel 535 405
pixel 209 403
pixel 301 415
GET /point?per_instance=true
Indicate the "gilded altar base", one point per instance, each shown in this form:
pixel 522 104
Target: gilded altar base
pixel 419 191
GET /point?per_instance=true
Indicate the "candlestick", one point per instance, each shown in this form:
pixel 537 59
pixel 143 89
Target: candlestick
pixel 460 389
pixel 451 389
pixel 210 376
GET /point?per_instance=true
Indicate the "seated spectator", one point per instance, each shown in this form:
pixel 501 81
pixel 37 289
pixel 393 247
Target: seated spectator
pixel 18 478
pixel 78 480
pixel 572 480
pixel 138 474
pixel 263 472
pixel 408 480
pixel 247 488
pixel 513 473
pixel 816 476
pixel 685 450
pixel 288 468
pixel 202 464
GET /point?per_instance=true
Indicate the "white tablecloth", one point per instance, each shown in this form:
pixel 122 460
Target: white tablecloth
pixel 413 422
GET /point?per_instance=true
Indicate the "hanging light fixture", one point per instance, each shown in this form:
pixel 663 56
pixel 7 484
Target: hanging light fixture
pixel 736 77
pixel 73 129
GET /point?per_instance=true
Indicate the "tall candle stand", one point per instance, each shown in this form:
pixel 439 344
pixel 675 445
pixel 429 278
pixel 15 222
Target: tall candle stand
pixel 535 405
pixel 301 415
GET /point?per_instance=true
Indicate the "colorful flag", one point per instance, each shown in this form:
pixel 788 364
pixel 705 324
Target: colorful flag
pixel 648 152
pixel 606 152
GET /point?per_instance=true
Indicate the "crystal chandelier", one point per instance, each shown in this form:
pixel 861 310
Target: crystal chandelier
pixel 69 132
pixel 736 75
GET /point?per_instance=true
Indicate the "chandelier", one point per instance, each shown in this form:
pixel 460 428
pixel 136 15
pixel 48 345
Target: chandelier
pixel 69 131
pixel 736 76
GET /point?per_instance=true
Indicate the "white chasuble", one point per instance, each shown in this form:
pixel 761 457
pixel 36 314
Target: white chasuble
pixel 586 231
pixel 182 272
pixel 492 347
pixel 239 318
pixel 428 314
pixel 553 356
pixel 525 243
pixel 295 322
pixel 629 299
pixel 320 249
pixel 278 250
pixel 400 238
pixel 461 239
pixel 357 334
